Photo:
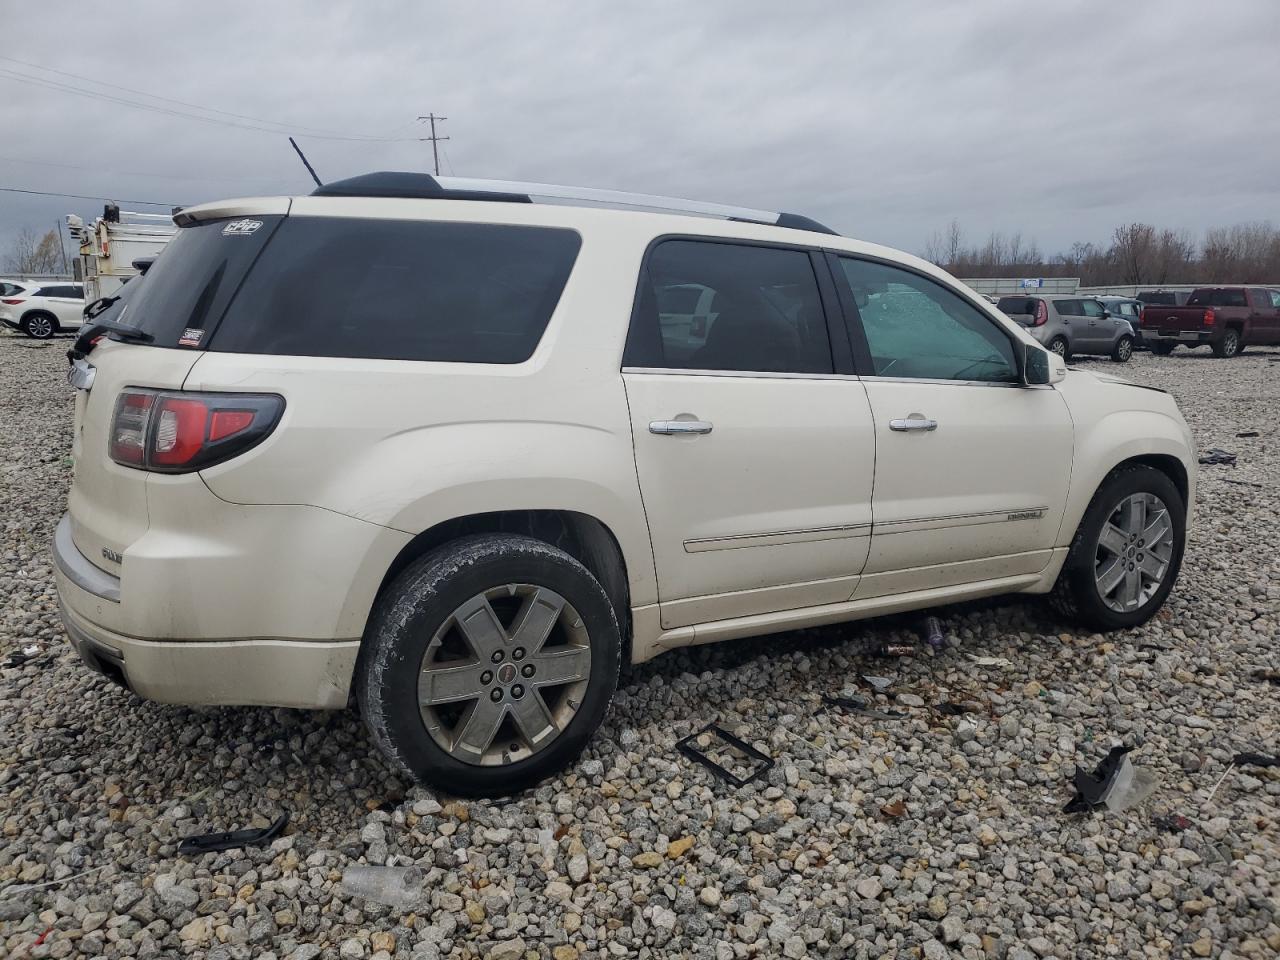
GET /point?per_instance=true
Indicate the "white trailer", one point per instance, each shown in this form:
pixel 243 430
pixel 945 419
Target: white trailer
pixel 109 248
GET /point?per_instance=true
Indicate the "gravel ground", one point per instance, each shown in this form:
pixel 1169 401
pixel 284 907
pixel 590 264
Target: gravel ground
pixel 927 834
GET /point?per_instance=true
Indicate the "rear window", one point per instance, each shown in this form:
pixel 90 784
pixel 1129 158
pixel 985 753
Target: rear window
pixel 1011 305
pixel 194 278
pixel 399 290
pixel 1217 298
pixel 1160 299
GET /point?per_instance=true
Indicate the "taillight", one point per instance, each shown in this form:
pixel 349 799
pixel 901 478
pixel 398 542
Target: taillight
pixel 178 432
pixel 13 302
pixel 1209 318
pixel 1042 314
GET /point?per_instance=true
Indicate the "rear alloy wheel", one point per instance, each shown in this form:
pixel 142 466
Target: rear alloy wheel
pixel 1229 345
pixel 488 663
pixel 1058 345
pixel 1126 553
pixel 41 326
pixel 1123 350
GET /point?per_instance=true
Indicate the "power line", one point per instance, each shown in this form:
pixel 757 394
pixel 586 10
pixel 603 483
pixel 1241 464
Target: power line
pixel 155 108
pixel 153 96
pixel 80 196
pixel 133 173
pixel 433 138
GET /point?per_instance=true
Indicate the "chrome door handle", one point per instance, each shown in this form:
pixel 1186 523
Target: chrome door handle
pixel 914 422
pixel 667 428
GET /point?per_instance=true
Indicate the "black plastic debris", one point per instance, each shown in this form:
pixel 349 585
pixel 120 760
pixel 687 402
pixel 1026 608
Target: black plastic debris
pixel 861 707
pixel 1243 483
pixel 1115 783
pixel 1255 760
pixel 949 708
pixel 762 763
pixel 1248 433
pixel 212 842
pixel 1173 823
pixel 1218 455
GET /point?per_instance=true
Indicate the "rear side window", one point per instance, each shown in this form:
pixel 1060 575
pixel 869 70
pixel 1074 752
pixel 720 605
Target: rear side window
pixel 1070 308
pixel 1260 298
pixel 1217 298
pixel 400 290
pixel 757 310
pixel 1017 305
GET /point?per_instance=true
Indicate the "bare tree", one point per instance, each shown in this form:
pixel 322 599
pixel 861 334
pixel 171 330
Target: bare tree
pixel 32 254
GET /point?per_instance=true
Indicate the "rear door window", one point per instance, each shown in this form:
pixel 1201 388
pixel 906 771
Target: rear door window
pixel 400 290
pixel 758 310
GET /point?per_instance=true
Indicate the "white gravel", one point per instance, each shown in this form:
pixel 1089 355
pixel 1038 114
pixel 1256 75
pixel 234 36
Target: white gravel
pixel 932 835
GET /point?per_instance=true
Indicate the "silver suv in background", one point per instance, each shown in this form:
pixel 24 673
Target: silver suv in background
pixel 1068 325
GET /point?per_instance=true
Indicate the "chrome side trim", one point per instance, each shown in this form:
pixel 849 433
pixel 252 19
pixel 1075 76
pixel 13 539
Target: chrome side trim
pixel 76 567
pixel 808 535
pixel 765 375
pixel 911 525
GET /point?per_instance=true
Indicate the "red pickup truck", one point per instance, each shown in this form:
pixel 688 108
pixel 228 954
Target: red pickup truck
pixel 1225 318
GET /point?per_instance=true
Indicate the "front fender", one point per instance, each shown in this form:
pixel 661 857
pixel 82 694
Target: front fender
pixel 1118 437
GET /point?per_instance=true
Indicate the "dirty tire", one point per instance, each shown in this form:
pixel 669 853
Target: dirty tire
pixel 1123 350
pixel 1229 345
pixel 413 608
pixel 1075 594
pixel 39 325
pixel 1162 349
pixel 1059 346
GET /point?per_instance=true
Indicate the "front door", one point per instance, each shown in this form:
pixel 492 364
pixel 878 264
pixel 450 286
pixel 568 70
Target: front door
pixel 755 456
pixel 972 468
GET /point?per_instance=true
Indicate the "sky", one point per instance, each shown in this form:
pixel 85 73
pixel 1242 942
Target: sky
pixel 885 120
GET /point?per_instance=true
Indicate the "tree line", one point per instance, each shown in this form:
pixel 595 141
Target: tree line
pixel 1137 253
pixel 33 254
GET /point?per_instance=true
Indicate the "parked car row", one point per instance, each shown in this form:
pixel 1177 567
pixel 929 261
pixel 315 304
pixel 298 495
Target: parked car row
pixel 1226 319
pixel 1073 324
pixel 41 310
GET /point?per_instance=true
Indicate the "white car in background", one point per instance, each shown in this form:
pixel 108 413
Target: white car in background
pixel 41 311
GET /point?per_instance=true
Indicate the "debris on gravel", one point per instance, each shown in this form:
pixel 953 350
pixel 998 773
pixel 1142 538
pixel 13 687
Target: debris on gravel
pixel 638 851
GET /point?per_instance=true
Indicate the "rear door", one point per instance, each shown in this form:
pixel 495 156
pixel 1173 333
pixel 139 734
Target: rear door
pixel 972 467
pixel 1263 321
pixel 1072 314
pixel 753 440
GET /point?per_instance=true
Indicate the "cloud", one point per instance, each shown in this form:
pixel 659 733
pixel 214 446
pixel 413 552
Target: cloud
pixel 884 119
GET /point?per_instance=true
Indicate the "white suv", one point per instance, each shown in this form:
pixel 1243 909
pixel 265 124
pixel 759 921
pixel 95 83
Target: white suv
pixel 435 446
pixel 41 311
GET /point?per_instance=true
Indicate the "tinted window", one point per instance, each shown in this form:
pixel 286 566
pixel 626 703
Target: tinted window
pixel 1275 298
pixel 1090 308
pixel 1260 298
pixel 916 327
pixel 195 276
pixel 766 314
pixel 1217 298
pixel 399 289
pixel 1019 305
pixel 1160 299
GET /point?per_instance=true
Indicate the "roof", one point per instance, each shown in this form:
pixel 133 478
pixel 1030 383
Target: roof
pixel 422 186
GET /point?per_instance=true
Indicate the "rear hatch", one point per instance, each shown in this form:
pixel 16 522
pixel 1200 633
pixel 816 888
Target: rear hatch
pixel 181 296
pixel 1019 309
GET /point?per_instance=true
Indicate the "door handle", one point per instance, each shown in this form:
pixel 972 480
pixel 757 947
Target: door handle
pixel 668 428
pixel 913 422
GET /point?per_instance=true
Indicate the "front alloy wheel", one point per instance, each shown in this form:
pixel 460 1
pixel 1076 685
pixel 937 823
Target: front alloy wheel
pixel 1134 552
pixel 504 675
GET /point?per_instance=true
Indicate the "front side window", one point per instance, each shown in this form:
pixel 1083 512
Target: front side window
pixel 917 328
pixel 725 306
pixel 1091 308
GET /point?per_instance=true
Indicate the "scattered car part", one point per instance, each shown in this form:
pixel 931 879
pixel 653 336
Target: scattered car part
pixel 688 748
pixel 1218 455
pixel 861 707
pixel 212 842
pixel 1249 433
pixel 1115 783
pixel 399 887
pixel 1255 760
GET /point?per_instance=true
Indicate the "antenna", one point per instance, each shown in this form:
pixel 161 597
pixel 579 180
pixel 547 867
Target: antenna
pixel 435 152
pixel 303 157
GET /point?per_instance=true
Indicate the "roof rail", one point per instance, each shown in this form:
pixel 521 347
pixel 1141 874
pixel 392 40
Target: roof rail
pixel 424 186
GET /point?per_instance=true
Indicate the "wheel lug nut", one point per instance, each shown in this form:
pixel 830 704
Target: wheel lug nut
pixel 517 653
pixel 517 691
pixel 497 656
pixel 527 670
pixel 486 677
pixel 496 694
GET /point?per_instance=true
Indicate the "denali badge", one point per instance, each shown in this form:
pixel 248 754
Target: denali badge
pixel 112 555
pixel 241 228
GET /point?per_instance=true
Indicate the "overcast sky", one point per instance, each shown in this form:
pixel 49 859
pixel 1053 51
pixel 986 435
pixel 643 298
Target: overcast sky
pixel 884 119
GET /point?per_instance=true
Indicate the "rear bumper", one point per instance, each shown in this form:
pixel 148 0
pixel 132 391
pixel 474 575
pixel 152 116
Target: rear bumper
pixel 269 673
pixel 1190 337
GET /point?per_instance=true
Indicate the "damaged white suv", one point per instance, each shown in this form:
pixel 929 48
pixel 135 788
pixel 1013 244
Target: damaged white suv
pixel 454 449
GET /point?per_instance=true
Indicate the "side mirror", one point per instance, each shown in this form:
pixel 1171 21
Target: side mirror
pixel 1106 314
pixel 1040 367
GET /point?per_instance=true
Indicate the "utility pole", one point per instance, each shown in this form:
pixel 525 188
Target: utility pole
pixel 435 152
pixel 57 226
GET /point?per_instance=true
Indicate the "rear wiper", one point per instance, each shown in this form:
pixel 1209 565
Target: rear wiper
pixel 89 334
